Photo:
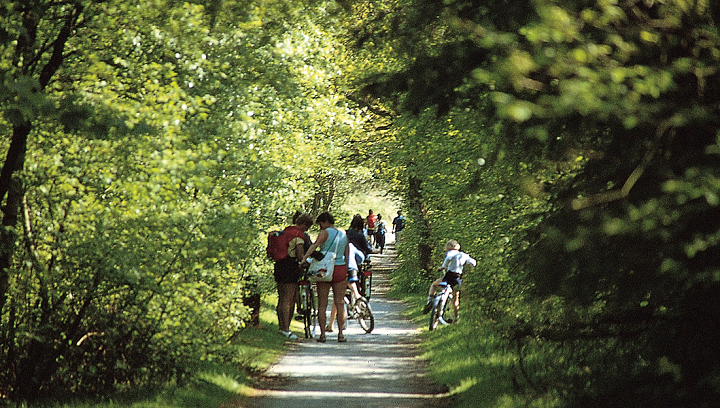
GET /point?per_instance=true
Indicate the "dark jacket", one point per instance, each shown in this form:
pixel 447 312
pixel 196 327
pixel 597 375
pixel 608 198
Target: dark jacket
pixel 357 238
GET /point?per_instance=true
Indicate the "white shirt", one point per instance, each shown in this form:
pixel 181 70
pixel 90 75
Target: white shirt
pixel 454 261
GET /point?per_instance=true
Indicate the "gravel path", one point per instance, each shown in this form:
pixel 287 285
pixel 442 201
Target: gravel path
pixel 380 369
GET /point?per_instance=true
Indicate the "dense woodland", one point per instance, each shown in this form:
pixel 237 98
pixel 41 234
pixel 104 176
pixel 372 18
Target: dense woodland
pixel 572 147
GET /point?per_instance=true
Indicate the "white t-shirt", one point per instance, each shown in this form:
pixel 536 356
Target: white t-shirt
pixel 455 260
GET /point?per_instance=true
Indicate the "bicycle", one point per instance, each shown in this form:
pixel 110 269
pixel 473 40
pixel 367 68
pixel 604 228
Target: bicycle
pixel 361 311
pixel 307 306
pixel 440 304
pixel 365 275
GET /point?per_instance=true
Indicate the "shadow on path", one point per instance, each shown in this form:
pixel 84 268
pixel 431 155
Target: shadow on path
pixel 380 369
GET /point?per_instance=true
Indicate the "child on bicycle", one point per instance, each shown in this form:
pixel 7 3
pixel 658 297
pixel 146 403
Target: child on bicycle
pixel 453 267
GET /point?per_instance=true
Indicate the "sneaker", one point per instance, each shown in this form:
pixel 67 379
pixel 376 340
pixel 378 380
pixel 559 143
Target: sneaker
pixel 428 305
pixel 289 335
pixel 442 321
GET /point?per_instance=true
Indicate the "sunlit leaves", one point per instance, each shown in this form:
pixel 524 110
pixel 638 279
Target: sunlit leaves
pixel 176 137
pixel 607 103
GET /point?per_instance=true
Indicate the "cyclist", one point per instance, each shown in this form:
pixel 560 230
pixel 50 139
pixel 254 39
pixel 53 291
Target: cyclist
pixel 361 248
pixel 453 266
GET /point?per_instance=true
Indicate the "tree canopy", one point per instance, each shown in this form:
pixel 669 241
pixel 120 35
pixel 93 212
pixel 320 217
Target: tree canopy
pixel 572 147
pixel 148 147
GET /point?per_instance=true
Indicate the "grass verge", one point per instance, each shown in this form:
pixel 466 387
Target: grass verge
pixel 213 384
pixel 468 359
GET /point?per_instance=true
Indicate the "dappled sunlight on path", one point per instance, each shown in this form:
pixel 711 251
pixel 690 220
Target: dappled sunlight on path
pixel 380 369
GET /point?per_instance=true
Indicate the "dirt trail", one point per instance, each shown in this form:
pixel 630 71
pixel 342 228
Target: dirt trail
pixel 380 369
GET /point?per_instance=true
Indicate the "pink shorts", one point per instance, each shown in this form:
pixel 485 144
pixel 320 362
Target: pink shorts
pixel 339 273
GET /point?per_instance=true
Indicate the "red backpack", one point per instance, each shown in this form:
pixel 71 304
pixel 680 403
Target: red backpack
pixel 278 242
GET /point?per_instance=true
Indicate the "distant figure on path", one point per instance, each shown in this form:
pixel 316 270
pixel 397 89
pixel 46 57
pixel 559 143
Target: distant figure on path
pixel 398 224
pixel 380 229
pixel 370 221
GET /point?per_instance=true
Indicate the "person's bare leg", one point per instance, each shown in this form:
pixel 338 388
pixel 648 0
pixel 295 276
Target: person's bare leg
pixel 333 315
pixel 290 304
pixel 286 304
pixel 323 290
pixel 338 299
pixel 433 287
pixel 354 287
pixel 456 304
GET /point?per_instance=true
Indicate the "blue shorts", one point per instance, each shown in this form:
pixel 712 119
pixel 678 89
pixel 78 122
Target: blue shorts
pixel 353 275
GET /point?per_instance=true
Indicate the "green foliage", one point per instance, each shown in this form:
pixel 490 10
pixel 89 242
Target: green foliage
pixel 162 141
pixel 594 212
pixel 477 372
pixel 208 383
pixel 571 148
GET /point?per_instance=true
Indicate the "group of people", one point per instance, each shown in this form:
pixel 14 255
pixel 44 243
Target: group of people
pixel 376 228
pixel 352 249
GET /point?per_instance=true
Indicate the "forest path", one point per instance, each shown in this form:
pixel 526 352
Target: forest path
pixel 380 369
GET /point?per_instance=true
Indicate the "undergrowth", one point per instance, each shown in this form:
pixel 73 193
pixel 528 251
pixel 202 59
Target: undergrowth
pixel 475 364
pixel 214 383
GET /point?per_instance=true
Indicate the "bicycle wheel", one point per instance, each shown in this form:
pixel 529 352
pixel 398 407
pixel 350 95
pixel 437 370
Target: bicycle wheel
pixel 313 306
pixel 365 316
pixel 305 307
pixel 436 312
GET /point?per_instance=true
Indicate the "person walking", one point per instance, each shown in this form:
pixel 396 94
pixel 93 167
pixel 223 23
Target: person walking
pixel 324 241
pixel 358 249
pixel 398 224
pixel 287 272
pixel 370 221
pixel 380 228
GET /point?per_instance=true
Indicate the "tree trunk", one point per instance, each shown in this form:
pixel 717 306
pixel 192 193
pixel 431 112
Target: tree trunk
pixel 324 197
pixel 419 212
pixel 39 363
pixel 254 303
pixel 11 186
